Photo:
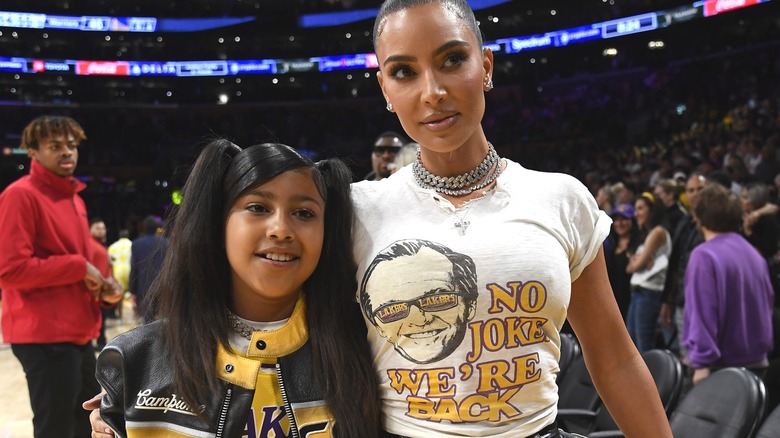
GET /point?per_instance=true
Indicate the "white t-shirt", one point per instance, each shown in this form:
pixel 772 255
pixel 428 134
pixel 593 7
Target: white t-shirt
pixel 466 338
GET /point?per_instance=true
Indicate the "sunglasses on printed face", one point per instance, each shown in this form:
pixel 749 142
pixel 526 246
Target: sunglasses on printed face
pixel 398 310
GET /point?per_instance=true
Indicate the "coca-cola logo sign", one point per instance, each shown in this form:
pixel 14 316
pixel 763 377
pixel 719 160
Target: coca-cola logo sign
pixel 102 68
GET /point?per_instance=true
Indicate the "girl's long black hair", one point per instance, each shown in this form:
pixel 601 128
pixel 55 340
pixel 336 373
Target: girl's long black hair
pixel 193 289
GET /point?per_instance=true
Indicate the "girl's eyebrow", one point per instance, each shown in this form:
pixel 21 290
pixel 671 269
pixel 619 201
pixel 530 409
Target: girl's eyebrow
pixel 271 195
pixel 443 48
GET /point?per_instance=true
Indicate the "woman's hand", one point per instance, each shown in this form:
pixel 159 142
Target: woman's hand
pixel 99 428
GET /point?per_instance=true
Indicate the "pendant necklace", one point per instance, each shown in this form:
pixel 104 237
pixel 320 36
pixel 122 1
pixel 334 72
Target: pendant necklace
pixel 462 224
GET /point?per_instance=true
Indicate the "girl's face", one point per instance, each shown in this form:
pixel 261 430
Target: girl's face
pixel 273 241
pixel 642 212
pixel 434 73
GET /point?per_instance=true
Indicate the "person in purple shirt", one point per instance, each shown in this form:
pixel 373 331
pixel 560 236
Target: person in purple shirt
pixel 728 294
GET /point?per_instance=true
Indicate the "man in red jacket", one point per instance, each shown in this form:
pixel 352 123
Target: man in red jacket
pixel 51 291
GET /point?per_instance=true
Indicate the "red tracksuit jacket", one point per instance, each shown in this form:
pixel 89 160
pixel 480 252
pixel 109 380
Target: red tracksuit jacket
pixel 44 249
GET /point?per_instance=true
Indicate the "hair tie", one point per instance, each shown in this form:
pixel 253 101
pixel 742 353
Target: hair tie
pixel 649 196
pixel 232 149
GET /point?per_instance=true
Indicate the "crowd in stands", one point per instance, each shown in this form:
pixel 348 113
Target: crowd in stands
pixel 633 126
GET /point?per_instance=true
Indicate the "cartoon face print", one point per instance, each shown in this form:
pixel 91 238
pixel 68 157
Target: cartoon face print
pixel 420 296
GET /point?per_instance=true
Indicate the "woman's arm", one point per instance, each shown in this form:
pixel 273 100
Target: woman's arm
pixel 640 261
pixel 618 371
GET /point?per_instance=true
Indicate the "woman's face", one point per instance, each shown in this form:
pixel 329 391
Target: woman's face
pixel 622 225
pixel 273 241
pixel 433 72
pixel 642 212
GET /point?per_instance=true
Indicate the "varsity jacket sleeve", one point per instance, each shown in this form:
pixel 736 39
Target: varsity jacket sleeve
pixel 20 268
pixel 110 375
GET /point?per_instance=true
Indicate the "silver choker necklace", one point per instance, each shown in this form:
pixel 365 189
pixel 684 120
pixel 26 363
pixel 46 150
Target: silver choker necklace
pixel 240 327
pixel 462 184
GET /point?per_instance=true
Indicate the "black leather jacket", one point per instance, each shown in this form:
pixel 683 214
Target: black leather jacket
pixel 137 375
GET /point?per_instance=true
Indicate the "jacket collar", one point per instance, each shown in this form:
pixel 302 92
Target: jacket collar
pixel 284 340
pixel 241 369
pixel 64 185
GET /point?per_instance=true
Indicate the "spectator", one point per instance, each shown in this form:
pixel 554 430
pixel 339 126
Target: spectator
pixel 51 289
pixel 99 258
pixel 620 245
pixel 385 148
pixel 686 237
pixel 648 268
pixel 728 295
pixel 120 252
pixel 147 254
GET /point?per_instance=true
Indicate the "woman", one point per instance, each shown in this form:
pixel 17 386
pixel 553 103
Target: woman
pixel 466 291
pixel 620 245
pixel 648 268
pixel 465 282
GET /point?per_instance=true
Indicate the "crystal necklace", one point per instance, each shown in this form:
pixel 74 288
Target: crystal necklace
pixel 462 184
pixel 239 326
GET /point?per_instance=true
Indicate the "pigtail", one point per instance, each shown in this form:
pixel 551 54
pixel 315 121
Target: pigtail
pixel 192 290
pixel 336 327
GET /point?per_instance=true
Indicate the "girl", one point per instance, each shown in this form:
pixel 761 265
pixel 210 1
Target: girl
pixel 256 334
pixel 466 291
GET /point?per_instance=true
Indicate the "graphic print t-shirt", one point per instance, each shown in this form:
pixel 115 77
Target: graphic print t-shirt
pixel 467 304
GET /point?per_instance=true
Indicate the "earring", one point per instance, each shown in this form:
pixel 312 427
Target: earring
pixel 489 85
pixel 389 107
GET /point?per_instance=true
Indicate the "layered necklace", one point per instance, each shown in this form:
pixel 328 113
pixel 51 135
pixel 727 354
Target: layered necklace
pixel 460 185
pixel 238 326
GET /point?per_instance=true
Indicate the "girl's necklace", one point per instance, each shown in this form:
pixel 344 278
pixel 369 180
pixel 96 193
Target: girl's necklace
pixel 239 326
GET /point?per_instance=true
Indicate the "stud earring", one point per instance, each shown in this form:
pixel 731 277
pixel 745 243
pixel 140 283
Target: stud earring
pixel 489 85
pixel 389 107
